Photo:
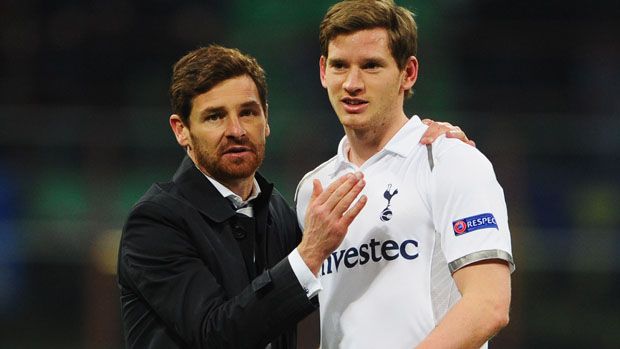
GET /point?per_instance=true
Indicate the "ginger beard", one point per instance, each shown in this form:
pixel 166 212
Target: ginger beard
pixel 233 158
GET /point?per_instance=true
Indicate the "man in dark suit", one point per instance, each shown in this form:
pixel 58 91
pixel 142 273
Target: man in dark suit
pixel 215 258
pixel 205 260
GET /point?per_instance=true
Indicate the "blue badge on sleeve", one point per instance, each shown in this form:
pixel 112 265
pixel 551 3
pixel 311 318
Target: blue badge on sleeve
pixel 469 224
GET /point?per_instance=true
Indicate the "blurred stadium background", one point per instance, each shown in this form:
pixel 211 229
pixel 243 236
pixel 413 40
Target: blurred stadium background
pixel 84 132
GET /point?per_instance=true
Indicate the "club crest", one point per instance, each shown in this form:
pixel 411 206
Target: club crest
pixel 386 214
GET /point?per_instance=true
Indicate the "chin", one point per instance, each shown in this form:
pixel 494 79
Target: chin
pixel 243 171
pixel 226 170
pixel 353 121
pixel 240 170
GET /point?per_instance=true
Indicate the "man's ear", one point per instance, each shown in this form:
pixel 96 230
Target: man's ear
pixel 322 67
pixel 180 130
pixel 410 74
pixel 267 129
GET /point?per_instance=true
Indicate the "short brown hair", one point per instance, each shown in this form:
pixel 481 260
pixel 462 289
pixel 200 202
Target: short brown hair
pixel 350 16
pixel 200 70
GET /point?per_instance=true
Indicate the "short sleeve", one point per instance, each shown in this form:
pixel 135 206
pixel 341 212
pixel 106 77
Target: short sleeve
pixel 468 206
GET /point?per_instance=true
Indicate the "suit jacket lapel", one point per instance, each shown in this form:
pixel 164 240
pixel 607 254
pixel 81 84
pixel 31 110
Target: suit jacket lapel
pixel 197 189
pixel 264 241
pixel 203 196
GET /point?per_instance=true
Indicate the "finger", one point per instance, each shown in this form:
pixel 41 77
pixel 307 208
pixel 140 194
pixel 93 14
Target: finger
pixel 348 198
pixel 427 122
pixel 458 134
pixel 327 193
pixel 472 143
pixel 342 191
pixel 435 130
pixel 350 215
pixel 317 189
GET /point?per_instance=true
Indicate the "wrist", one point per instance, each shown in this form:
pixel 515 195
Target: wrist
pixel 311 258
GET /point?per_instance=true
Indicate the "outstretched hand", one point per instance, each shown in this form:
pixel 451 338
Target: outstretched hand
pixel 328 217
pixel 437 128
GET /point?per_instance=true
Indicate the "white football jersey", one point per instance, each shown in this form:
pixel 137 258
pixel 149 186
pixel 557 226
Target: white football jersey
pixel 430 211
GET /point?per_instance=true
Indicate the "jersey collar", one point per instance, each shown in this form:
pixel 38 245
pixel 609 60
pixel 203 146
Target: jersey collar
pixel 401 144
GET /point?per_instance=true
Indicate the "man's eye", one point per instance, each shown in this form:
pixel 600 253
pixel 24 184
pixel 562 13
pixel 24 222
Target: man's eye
pixel 337 65
pixel 372 65
pixel 248 112
pixel 214 117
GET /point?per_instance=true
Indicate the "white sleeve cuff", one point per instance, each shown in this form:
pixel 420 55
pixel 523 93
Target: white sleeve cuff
pixel 306 279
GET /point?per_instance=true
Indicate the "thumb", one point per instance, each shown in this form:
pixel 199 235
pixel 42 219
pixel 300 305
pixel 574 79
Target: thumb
pixel 317 189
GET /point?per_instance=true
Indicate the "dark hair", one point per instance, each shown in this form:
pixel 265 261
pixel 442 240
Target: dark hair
pixel 200 70
pixel 350 16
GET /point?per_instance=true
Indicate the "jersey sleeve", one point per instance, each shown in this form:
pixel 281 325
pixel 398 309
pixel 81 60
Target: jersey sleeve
pixel 468 206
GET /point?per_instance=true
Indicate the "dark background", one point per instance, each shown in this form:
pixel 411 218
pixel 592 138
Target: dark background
pixel 84 132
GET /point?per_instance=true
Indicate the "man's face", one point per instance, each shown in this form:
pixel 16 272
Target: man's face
pixel 365 86
pixel 227 130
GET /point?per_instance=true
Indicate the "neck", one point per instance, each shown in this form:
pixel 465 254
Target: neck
pixel 242 187
pixel 365 143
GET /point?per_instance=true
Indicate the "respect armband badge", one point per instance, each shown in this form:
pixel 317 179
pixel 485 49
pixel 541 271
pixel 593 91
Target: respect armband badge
pixel 469 224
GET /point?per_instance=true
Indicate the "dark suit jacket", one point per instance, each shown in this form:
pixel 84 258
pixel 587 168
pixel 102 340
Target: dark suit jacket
pixel 182 276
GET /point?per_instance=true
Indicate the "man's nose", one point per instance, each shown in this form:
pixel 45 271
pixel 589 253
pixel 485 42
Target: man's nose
pixel 234 127
pixel 354 83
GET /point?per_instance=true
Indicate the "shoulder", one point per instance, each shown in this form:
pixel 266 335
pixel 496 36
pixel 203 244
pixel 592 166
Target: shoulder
pixel 451 155
pixel 464 175
pixel 160 206
pixel 323 172
pixel 160 195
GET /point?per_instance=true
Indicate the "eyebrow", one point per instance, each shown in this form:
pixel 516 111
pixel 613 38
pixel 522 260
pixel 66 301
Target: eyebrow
pixel 215 110
pixel 333 61
pixel 250 104
pixel 212 110
pixel 379 60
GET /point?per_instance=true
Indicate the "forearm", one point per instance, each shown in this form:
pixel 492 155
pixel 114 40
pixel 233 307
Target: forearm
pixel 242 319
pixel 480 313
pixel 469 324
pixel 201 306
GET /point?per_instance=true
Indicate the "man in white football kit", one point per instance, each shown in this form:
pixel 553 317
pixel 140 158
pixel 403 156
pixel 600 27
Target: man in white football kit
pixel 430 212
pixel 427 262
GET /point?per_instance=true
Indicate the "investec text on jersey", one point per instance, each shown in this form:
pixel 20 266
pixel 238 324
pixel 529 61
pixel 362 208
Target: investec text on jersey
pixel 350 257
